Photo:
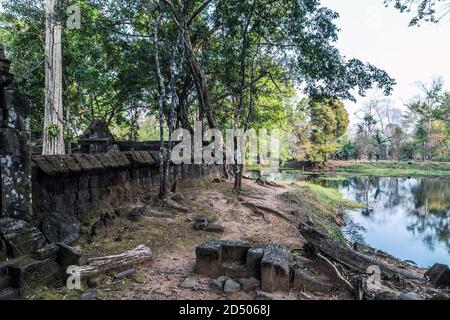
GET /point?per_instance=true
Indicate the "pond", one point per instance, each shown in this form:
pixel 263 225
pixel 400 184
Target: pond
pixel 407 217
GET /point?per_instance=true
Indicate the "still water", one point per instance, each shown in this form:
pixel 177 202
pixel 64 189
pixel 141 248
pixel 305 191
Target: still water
pixel 407 217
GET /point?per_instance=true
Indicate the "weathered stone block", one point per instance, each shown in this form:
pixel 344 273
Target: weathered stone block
pixel 68 256
pixel 234 270
pixel 43 166
pixel 70 185
pixel 135 174
pixel 254 257
pixel 147 182
pixel 275 269
pixel 83 163
pixel 231 286
pixel 83 196
pixel 107 179
pixel 94 194
pixel 83 183
pixel 235 251
pixel 122 177
pixel 19 237
pixel 3 251
pixel 155 176
pixel 249 284
pixel 64 203
pixel 106 160
pixel 17 111
pixel 209 258
pixel 95 164
pixel 71 164
pixel 144 172
pixel 28 274
pixel 217 284
pixel 50 251
pixel 439 275
pixel 93 181
pixel 15 174
pixel 60 227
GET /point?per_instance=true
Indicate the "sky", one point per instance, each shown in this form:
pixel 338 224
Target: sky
pixel 381 36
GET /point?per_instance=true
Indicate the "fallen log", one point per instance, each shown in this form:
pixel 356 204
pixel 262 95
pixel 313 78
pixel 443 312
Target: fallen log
pixel 128 258
pixel 349 257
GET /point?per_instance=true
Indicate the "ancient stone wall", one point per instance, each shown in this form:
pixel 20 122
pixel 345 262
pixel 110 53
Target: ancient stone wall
pixel 15 174
pixel 69 190
pixel 44 200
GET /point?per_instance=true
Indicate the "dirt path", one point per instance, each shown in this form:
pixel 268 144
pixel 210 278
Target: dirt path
pixel 162 278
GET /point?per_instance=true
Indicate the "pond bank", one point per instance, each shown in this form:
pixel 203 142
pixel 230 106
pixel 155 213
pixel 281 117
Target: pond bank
pixel 384 168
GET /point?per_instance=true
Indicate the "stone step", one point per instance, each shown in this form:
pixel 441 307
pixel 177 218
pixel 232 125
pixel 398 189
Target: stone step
pixel 9 294
pixel 5 282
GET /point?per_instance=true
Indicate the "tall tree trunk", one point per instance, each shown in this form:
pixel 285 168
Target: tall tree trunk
pixel 54 117
pixel 199 81
pixel 161 98
pixel 174 101
pixel 183 106
pixel 243 66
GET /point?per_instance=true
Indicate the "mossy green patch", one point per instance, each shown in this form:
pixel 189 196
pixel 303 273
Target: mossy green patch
pixel 324 206
pixel 396 168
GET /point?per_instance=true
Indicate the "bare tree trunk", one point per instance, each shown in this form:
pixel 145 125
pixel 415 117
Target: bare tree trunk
pixel 161 98
pixel 199 81
pixel 243 66
pixel 53 118
pixel 183 106
pixel 174 100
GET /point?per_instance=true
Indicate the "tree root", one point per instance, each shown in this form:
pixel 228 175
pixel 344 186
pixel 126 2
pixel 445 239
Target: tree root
pixel 273 211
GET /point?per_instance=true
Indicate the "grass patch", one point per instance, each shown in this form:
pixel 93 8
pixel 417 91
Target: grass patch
pixel 394 168
pixel 324 206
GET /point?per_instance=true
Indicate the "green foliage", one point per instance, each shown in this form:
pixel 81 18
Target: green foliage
pixel 254 56
pixel 345 150
pixel 328 121
pixel 52 129
pixel 408 150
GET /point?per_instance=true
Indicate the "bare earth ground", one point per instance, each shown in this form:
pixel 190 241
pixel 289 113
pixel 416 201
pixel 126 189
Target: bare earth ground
pixel 173 264
pixel 168 231
pixel 170 235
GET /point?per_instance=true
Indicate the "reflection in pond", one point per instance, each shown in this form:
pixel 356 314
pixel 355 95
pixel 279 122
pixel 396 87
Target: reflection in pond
pixel 406 217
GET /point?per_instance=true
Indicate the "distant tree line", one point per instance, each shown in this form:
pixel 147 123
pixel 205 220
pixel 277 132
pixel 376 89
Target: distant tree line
pixel 420 130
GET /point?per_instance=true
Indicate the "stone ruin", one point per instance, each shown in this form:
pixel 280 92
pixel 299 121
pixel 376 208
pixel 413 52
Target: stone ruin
pixel 44 199
pixel 25 255
pixel 97 138
pixel 266 269
pixel 242 260
pixel 15 158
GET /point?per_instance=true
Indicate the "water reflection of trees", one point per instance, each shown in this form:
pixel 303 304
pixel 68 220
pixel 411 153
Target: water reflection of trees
pixel 377 191
pixel 431 212
pixel 425 202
